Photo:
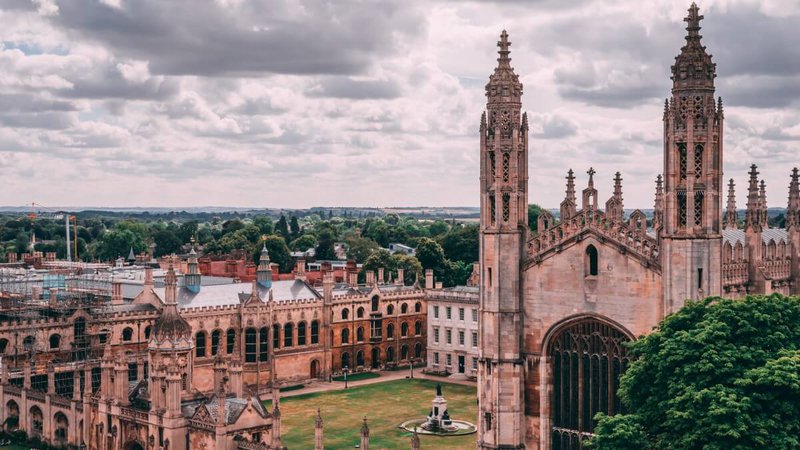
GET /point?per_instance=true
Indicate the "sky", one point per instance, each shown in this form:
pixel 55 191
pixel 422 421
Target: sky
pixel 292 104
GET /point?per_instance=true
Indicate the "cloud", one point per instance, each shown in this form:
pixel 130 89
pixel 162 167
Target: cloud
pixel 342 87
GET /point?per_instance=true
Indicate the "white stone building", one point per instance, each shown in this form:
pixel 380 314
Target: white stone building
pixel 453 330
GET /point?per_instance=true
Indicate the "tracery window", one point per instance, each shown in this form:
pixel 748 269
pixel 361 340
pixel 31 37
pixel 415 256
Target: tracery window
pixel 698 208
pixel 506 169
pixel 263 344
pixel 230 343
pixel 506 206
pixel 492 209
pixel 315 332
pixel 698 161
pixel 288 335
pixel 250 345
pixel 215 336
pixel 682 209
pixel 587 359
pixel 200 344
pixel 682 160
pixel 301 333
pixel 276 336
pixel 492 164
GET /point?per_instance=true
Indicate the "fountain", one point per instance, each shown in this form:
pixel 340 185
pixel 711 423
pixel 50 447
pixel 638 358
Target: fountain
pixel 438 422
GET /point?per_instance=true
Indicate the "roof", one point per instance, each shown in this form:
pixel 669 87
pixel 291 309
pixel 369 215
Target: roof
pixel 233 408
pixel 231 294
pixel 771 234
pixel 344 289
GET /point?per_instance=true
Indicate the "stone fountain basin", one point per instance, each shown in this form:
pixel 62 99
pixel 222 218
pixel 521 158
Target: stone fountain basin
pixel 462 428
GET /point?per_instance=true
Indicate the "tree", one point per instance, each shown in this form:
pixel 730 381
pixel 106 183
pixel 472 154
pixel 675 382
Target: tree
pixel 718 374
pixel 438 227
pixel 279 253
pixel 461 243
pixel 294 227
pixel 412 269
pixel 282 228
pixel 430 254
pixel 264 224
pixel 187 231
pixel 326 240
pixel 118 242
pixel 533 216
pixel 359 248
pixel 230 226
pixel 304 243
pixel 167 242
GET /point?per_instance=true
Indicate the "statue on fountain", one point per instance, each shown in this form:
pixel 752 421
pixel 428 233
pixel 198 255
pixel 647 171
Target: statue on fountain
pixel 439 418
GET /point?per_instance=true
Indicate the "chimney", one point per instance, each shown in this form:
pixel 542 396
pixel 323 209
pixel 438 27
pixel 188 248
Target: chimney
pixel 148 277
pixel 53 298
pixel 400 280
pixel 429 279
pixel 116 293
pixel 300 270
pixel 36 293
pixel 381 280
pixel 370 277
pixel 327 286
pixel 439 285
pixel 352 280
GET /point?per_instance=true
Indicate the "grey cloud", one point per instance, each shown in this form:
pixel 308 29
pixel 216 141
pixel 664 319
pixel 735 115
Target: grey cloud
pixel 343 87
pixel 108 82
pixel 183 38
pixel 556 127
pixel 760 91
pixel 27 103
pixel 257 107
pixel 614 95
pixel 47 120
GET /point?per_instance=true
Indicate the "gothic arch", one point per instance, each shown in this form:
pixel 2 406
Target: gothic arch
pixel 586 358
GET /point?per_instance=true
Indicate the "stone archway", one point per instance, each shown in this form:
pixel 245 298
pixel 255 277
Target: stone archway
pixel 586 359
pixel 314 373
pixel 60 429
pixel 376 358
pixel 12 416
pixel 133 445
pixel 36 422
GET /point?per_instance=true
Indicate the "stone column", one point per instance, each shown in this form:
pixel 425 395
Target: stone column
pixel 76 385
pixel 51 379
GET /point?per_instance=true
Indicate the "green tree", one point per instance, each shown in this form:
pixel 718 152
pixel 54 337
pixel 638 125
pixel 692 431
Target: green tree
pixel 461 243
pixel 264 224
pixel 359 248
pixel 326 238
pixel 718 374
pixel 533 216
pixel 21 242
pixel 294 227
pixel 438 227
pixel 303 243
pixel 282 228
pixel 279 253
pixel 430 254
pixel 187 231
pixel 118 242
pixel 167 242
pixel 410 265
pixel 231 226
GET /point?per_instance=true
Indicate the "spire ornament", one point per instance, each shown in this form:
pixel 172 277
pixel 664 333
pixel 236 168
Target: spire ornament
pixel 730 212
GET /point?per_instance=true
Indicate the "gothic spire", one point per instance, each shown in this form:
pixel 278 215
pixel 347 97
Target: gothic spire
pixel 569 204
pixel 753 218
pixel 693 68
pixel 658 209
pixel 730 212
pixel 793 209
pixel 169 324
pixel 762 202
pixel 504 85
pixel 571 186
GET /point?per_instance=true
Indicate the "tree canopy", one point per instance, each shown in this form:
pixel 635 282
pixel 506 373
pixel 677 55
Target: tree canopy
pixel 718 374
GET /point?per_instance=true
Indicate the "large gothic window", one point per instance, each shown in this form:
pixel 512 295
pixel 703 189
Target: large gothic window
pixel 492 164
pixel 250 345
pixel 698 208
pixel 682 163
pixel 506 206
pixel 492 209
pixel 681 208
pixel 698 161
pixel 506 166
pixel 587 360
pixel 592 268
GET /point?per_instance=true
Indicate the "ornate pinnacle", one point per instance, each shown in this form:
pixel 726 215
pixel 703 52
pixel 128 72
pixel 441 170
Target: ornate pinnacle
pixel 730 213
pixel 571 186
pixel 693 20
pixel 618 185
pixel 591 173
pixel 503 43
pixel 793 209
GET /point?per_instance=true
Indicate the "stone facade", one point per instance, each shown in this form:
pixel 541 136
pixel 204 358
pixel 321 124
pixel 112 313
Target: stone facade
pixel 453 331
pixel 231 339
pixel 556 306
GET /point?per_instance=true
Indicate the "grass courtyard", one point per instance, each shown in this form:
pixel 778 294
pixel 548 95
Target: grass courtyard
pixel 386 405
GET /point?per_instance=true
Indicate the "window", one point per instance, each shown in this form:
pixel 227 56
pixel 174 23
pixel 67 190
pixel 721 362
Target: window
pixel 390 331
pixel 436 358
pixel 375 329
pixel 314 332
pixel 55 342
pixel 698 161
pixel 474 315
pixel 345 336
pixel 360 312
pixel 375 303
pixel 506 206
pixel 200 344
pixel 403 309
pixel 448 336
pixel 104 336
pixel 682 160
pixel 147 331
pixel 418 350
pixel 591 261
pixel 215 336
pixel 360 358
pixel 390 354
pixel 448 312
pixel 418 307
pixel 360 334
pixel 230 341
pixel 682 208
pixel 449 360
pixel 461 314
pixel 417 328
pixel 345 360
pixel 133 374
pixel 404 352
pixel 461 337
pixel 474 339
pixel 288 335
pixel 435 312
pixel 263 344
pixel 345 314
pixel 250 345
pixel 492 165
pixel 492 209
pixel 403 329
pixel 390 310
pixel 301 333
pixel 436 335
pixel 127 334
pixel 506 158
pixel 276 336
pixel 698 208
pixel 474 363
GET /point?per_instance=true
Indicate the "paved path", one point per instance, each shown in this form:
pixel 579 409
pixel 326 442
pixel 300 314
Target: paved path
pixel 324 386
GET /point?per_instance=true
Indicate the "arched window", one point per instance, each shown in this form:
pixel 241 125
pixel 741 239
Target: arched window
pixel 390 354
pixel 103 337
pixel 3 346
pixel 403 353
pixel 55 342
pixel 345 336
pixel 147 331
pixel 28 343
pixel 345 360
pixel 314 332
pixel 301 333
pixel 360 312
pixel 417 328
pixel 360 358
pixel 200 344
pixel 418 307
pixel 403 329
pixel 345 314
pixel 250 345
pixel 585 377
pixel 360 334
pixel 403 308
pixel 263 343
pixel 591 261
pixel 185 382
pixel 127 334
pixel 230 344
pixel 390 310
pixel 390 331
pixel 61 428
pixel 288 335
pixel 276 336
pixel 418 350
pixel 215 337
pixel 375 303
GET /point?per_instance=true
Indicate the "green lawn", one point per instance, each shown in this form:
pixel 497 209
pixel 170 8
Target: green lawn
pixel 386 405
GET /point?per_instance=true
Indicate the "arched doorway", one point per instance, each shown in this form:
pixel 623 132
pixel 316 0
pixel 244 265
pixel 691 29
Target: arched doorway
pixel 36 422
pixel 314 369
pixel 12 416
pixel 61 429
pixel 376 358
pixel 587 359
pixel 360 359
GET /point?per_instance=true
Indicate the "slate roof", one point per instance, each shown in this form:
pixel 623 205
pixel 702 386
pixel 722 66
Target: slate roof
pixel 776 234
pixel 234 407
pixel 231 294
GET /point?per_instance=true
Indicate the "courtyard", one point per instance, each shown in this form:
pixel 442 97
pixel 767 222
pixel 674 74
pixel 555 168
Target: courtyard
pixel 386 405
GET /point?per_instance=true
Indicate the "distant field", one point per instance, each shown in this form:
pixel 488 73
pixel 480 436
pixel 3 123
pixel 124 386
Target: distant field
pixel 386 405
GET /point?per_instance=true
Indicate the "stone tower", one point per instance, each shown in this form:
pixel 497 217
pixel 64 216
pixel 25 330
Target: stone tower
pixel 691 238
pixel 503 230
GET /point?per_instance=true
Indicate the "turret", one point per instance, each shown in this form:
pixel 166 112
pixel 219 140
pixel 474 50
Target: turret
pixel 192 279
pixel 731 219
pixel 614 206
pixel 658 208
pixel 754 219
pixel 264 271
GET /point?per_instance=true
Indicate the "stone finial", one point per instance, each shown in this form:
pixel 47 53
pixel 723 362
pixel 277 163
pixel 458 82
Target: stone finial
pixel 753 219
pixel 504 61
pixel 591 173
pixel 658 210
pixel 793 209
pixel 730 211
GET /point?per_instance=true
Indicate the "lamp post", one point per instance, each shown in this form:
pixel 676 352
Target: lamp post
pixel 411 367
pixel 345 376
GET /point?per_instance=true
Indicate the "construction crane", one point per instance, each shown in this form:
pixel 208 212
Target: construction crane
pixel 52 214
